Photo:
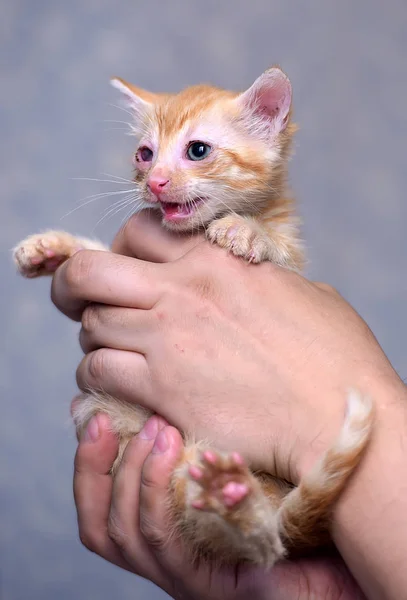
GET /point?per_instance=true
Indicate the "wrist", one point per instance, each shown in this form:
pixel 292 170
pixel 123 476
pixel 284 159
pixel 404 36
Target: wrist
pixel 385 389
pixel 368 522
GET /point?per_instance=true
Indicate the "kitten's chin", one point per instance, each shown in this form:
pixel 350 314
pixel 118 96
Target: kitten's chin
pixel 191 224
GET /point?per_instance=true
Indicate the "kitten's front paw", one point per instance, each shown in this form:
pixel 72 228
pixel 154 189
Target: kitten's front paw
pixel 224 483
pixel 41 254
pixel 241 236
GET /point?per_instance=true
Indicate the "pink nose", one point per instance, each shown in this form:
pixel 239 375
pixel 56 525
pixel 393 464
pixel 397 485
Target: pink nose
pixel 157 183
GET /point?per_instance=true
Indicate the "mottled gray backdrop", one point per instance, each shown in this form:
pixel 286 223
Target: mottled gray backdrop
pixel 347 62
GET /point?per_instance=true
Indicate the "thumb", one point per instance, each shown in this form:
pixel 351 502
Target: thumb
pixel 144 237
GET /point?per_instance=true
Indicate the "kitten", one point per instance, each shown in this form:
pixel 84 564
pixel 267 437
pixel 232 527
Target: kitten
pixel 217 160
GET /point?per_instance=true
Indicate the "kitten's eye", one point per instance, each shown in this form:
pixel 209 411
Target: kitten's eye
pixel 198 150
pixel 144 154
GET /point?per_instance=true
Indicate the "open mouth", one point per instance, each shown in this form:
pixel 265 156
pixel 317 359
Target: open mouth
pixel 174 211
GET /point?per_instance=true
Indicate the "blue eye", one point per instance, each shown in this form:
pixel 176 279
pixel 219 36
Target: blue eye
pixel 198 150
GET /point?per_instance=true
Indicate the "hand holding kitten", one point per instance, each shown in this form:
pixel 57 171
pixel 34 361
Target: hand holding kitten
pixel 327 345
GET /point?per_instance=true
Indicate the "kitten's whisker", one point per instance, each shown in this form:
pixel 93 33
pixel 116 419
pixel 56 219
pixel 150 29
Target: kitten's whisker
pixel 117 177
pixel 116 129
pixel 192 200
pixel 198 212
pixel 121 108
pixel 124 182
pixel 116 209
pixel 94 197
pixel 105 195
pixel 119 204
pixel 224 204
pixel 243 197
pixel 132 211
pixel 116 121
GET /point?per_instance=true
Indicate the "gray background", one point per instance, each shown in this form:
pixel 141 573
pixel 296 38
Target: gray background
pixel 347 62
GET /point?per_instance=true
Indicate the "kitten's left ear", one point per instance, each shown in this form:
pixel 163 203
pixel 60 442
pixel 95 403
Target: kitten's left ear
pixel 137 99
pixel 269 98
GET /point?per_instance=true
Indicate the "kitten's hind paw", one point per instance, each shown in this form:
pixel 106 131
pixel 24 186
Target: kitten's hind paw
pixel 41 254
pixel 224 482
pixel 227 513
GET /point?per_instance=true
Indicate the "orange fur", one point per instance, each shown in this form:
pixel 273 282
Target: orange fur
pixel 238 193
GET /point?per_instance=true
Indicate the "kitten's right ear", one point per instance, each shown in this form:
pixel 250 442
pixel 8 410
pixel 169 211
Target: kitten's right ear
pixel 137 99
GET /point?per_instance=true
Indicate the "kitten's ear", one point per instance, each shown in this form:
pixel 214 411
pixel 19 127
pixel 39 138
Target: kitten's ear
pixel 136 98
pixel 269 100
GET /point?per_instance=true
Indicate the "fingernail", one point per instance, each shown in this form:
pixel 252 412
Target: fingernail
pixel 150 429
pixel 161 442
pixel 92 430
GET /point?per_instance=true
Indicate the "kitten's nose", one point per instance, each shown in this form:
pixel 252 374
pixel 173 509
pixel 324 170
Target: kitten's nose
pixel 157 183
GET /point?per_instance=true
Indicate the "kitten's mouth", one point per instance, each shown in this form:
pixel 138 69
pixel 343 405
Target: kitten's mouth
pixel 175 211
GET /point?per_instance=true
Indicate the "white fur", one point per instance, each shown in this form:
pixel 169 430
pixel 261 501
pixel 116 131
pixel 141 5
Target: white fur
pixel 356 427
pixel 353 436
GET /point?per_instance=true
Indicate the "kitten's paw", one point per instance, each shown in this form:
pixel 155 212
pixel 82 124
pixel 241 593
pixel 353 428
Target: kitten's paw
pixel 242 237
pixel 43 253
pixel 223 482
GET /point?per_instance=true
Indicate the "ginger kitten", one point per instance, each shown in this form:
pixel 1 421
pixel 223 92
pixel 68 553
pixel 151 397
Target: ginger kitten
pixel 217 160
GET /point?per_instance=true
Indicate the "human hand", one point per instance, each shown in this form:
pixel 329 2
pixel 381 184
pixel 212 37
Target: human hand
pixel 307 345
pixel 254 358
pixel 125 522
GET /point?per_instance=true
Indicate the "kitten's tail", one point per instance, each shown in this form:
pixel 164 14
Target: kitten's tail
pixel 304 513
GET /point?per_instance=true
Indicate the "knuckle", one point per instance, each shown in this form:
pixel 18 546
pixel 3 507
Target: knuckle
pixel 150 531
pixel 78 269
pixel 326 287
pixel 96 364
pixel 148 481
pixel 116 533
pixel 90 318
pixel 91 541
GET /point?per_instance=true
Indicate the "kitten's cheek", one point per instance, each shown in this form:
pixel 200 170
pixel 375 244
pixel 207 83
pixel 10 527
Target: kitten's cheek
pixel 120 374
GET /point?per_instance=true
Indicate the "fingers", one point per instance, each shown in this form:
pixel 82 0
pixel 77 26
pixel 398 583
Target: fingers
pixel 93 488
pixel 104 277
pixel 155 485
pixel 118 373
pixel 144 237
pixel 124 521
pixel 114 327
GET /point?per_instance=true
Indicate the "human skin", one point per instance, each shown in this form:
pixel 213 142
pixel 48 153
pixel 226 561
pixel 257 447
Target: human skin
pixel 125 522
pixel 283 351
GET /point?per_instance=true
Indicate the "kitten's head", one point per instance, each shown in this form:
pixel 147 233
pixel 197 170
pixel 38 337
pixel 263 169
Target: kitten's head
pixel 204 151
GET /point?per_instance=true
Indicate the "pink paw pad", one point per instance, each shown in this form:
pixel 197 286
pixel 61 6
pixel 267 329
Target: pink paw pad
pixel 224 482
pixel 195 472
pixel 210 457
pixel 237 458
pixel 233 493
pixel 198 504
